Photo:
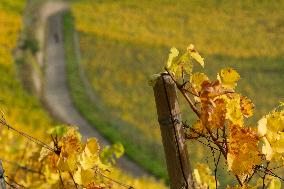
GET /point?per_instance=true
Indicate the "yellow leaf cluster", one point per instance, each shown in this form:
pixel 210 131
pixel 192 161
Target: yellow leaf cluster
pixel 271 129
pixel 243 152
pixel 180 65
pixel 73 157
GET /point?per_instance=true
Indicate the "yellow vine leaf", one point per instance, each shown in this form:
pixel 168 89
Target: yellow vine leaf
pixel 271 127
pixel 181 66
pixel 92 147
pixel 195 55
pixel 173 64
pixel 197 79
pixel 278 145
pixel 275 183
pixel 67 164
pixel 275 121
pixel 173 54
pixel 228 77
pixel 185 65
pixel 89 158
pixel 84 177
pixel 243 151
pixel 203 177
pixel 233 107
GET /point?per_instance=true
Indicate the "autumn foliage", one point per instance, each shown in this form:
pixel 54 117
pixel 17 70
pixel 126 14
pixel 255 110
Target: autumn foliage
pixel 252 154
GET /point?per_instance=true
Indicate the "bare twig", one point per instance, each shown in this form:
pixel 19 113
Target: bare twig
pixel 76 185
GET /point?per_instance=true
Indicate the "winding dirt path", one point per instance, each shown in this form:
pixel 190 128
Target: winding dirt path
pixel 55 89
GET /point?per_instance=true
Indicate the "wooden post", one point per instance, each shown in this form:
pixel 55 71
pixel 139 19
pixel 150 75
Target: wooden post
pixel 2 180
pixel 169 117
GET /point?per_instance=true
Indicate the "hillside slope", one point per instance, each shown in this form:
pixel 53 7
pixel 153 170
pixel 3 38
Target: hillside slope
pixel 123 42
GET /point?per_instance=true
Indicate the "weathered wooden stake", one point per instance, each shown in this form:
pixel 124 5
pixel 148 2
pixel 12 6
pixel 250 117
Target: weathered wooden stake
pixel 2 180
pixel 169 117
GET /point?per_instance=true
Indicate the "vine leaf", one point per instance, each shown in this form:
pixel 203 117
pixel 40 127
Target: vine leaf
pixel 271 127
pixel 173 54
pixel 228 77
pixel 197 79
pixel 233 107
pixel 203 177
pixel 195 55
pixel 243 152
